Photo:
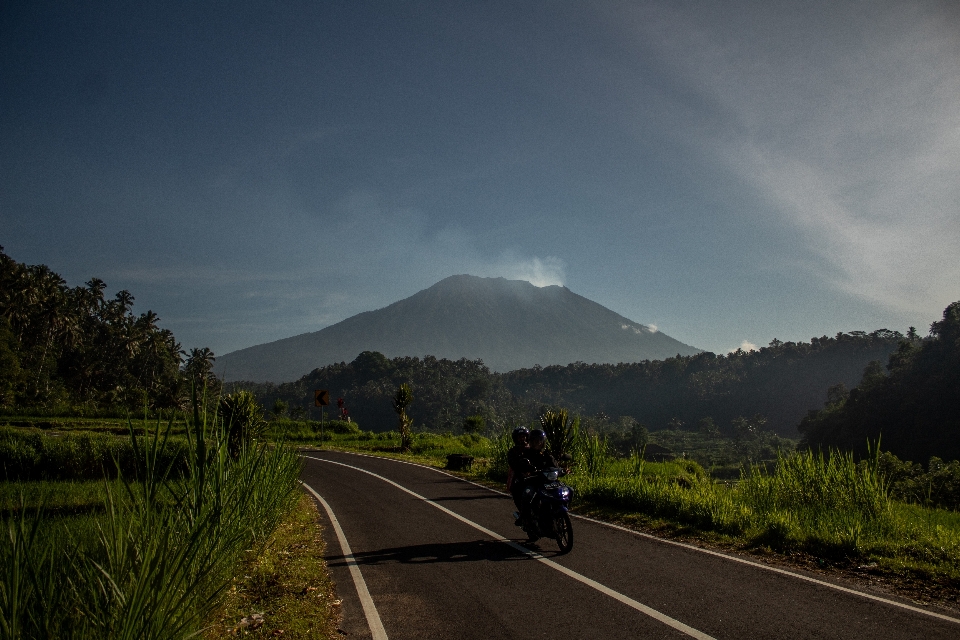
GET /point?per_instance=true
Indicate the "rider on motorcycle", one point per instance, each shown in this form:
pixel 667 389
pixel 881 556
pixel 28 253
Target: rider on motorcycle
pixel 516 460
pixel 535 461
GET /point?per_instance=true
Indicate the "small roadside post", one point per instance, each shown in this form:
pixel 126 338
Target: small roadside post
pixel 321 398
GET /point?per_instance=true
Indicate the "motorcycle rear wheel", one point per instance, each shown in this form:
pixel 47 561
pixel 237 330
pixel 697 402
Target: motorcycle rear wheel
pixel 564 532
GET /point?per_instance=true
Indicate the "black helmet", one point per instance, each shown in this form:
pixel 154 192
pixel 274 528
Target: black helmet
pixel 537 434
pixel 520 432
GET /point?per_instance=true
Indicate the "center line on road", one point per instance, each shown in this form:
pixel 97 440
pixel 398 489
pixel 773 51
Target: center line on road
pixel 369 609
pixel 630 602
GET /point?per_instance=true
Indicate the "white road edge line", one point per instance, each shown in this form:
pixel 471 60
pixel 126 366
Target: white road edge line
pixel 630 602
pixel 369 609
pixel 691 547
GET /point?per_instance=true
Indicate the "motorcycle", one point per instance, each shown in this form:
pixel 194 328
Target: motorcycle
pixel 548 501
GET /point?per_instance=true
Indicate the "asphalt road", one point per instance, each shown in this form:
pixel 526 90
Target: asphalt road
pixel 439 558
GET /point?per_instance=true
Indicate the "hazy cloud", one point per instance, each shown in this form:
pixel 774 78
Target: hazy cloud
pixel 746 345
pixel 845 122
pixel 540 273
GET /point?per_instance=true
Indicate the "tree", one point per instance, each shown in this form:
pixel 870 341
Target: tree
pixel 402 400
pixel 198 368
pixel 474 424
pixel 9 365
pixel 708 427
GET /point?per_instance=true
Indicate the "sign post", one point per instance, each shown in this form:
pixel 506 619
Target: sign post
pixel 321 398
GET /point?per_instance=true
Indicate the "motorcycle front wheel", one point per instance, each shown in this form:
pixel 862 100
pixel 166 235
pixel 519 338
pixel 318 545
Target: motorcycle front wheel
pixel 564 532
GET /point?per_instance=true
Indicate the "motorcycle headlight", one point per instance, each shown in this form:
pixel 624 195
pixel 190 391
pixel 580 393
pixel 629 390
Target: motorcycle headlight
pixel 551 475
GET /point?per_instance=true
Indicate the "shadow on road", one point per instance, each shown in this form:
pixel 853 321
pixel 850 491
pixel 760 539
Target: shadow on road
pixel 484 496
pixel 479 550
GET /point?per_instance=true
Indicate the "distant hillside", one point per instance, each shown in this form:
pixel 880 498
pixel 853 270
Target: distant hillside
pixel 912 408
pixel 509 324
pixel 780 382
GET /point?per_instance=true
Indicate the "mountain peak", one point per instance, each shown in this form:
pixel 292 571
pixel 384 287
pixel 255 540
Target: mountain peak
pixel 509 324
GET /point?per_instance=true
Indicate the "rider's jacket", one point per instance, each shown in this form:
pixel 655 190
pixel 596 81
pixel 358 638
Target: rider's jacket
pixel 536 461
pixel 515 460
pixel 515 457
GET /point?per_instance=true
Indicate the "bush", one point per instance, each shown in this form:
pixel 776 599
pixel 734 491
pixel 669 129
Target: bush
pixel 937 486
pixel 340 427
pixel 242 418
pixel 474 424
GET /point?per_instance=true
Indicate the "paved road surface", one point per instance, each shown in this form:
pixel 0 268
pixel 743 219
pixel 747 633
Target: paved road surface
pixel 435 556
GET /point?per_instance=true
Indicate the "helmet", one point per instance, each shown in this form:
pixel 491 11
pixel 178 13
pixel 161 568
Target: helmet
pixel 537 434
pixel 519 432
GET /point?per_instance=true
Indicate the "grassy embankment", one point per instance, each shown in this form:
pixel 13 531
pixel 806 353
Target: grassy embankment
pixel 830 508
pixel 152 549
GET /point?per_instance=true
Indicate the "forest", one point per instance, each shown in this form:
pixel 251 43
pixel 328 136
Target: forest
pixel 76 350
pixel 911 406
pixel 771 389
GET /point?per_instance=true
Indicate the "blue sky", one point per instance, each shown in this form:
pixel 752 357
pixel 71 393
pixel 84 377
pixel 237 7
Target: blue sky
pixel 730 172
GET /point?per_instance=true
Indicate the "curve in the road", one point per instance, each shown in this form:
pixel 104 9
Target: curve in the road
pixel 369 609
pixel 691 547
pixel 630 602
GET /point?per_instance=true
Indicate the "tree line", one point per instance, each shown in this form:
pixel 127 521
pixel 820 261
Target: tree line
pixel 740 395
pixel 776 384
pixel 76 349
pixel 911 406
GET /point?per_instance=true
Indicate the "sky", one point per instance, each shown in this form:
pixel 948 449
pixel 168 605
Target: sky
pixel 729 172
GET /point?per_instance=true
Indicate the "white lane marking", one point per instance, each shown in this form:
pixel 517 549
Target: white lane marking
pixel 691 547
pixel 630 602
pixel 369 609
pixel 780 571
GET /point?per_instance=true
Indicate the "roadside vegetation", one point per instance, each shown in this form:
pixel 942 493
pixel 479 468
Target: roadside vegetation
pixel 149 554
pixel 284 589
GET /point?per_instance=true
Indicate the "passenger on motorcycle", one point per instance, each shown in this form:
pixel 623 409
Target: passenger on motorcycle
pixel 536 461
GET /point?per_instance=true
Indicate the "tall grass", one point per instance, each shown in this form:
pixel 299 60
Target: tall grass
pixel 689 499
pixel 157 561
pixel 827 505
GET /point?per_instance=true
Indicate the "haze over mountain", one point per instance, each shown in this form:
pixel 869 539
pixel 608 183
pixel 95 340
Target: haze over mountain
pixel 509 324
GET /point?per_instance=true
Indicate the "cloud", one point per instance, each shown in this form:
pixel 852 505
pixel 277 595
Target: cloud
pixel 746 345
pixel 650 328
pixel 845 124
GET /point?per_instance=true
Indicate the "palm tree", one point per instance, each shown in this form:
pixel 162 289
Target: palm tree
pixel 199 366
pixel 402 400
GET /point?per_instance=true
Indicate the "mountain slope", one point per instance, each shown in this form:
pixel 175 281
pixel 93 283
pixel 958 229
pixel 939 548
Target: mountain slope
pixel 509 324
